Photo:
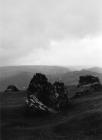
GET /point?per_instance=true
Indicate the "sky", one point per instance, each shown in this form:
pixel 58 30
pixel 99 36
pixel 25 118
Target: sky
pixel 51 32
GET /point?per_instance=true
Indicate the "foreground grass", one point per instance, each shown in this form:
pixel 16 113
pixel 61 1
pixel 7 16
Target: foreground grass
pixel 82 120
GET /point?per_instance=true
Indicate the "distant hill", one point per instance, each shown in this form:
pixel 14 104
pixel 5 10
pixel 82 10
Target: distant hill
pixel 14 70
pixel 96 69
pixel 20 76
pixel 71 78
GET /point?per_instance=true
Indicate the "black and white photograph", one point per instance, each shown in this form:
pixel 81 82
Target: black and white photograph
pixel 50 69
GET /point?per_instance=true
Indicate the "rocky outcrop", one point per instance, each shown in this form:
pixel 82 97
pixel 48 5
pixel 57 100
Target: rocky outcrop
pixel 87 85
pixel 11 88
pixel 42 93
pixel 88 80
pixel 41 88
pixel 61 95
pixel 35 105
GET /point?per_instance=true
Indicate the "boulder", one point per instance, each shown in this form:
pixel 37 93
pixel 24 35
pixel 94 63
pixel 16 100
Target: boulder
pixel 88 80
pixel 11 88
pixel 87 85
pixel 35 105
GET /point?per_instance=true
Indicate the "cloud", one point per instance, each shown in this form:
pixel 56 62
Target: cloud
pixel 83 51
pixel 29 26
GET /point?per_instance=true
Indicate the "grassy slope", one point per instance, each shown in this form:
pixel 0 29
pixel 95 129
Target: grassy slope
pixel 82 121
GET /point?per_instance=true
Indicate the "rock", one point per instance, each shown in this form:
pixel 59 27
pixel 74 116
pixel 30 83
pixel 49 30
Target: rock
pixel 35 105
pixel 88 80
pixel 87 85
pixel 51 96
pixel 41 88
pixel 11 88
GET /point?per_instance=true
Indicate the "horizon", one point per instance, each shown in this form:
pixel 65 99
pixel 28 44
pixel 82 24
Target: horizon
pixel 76 67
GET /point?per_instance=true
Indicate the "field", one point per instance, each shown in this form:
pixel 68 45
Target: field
pixel 81 121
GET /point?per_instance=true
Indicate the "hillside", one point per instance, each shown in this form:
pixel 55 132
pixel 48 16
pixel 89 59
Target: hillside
pixel 21 80
pixel 71 78
pixel 96 69
pixel 81 121
pixel 21 76
pixel 8 71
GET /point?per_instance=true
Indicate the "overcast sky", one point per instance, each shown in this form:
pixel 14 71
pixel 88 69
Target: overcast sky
pixel 51 32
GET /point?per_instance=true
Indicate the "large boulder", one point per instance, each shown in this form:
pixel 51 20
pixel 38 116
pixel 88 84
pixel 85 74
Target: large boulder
pixel 11 88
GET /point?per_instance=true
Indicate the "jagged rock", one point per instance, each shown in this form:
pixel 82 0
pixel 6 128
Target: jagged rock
pixel 88 80
pixel 41 88
pixel 96 87
pixel 87 85
pixel 35 105
pixel 61 95
pixel 53 96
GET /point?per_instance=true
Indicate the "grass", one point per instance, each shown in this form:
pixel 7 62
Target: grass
pixel 81 121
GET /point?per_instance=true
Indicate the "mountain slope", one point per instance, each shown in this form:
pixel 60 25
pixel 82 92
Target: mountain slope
pixel 14 70
pixel 21 75
pixel 81 121
pixel 71 78
pixel 22 79
pixel 96 69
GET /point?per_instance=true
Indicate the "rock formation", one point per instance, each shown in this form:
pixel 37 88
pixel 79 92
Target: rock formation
pixel 11 88
pixel 87 85
pixel 49 95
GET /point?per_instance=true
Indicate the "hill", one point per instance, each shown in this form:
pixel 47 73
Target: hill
pixel 71 78
pixel 96 69
pixel 9 71
pixel 81 121
pixel 20 80
pixel 20 76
